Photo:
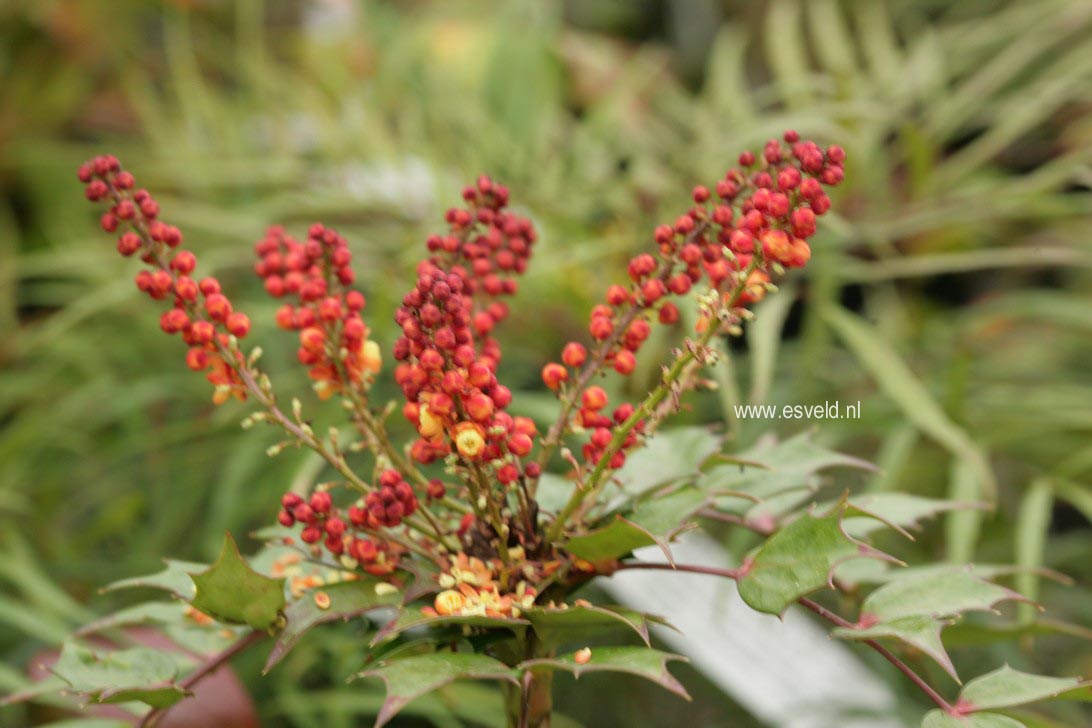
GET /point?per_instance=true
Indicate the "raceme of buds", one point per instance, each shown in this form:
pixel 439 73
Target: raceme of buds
pixel 763 211
pixel 316 276
pixel 200 313
pixel 447 356
pixel 347 533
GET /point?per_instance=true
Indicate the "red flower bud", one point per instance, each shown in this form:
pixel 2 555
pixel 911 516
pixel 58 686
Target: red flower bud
pixel 554 375
pixel 574 355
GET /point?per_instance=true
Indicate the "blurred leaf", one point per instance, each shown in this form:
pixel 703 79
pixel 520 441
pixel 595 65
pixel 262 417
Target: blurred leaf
pixel 175 579
pixel 962 529
pixel 641 661
pixel 412 677
pixel 1032 527
pixel 348 599
pixel 178 624
pixel 1006 687
pixel 671 454
pixel 898 509
pixel 571 624
pixel 937 594
pixel 940 719
pixel 771 468
pixel 902 386
pixel 139 673
pixel 413 618
pixel 233 592
pixel 914 609
pixel 655 521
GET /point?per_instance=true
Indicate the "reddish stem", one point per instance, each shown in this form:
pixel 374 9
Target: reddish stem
pixel 206 669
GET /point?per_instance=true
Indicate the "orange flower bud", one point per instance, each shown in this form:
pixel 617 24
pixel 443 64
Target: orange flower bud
pixel 313 339
pixel 554 375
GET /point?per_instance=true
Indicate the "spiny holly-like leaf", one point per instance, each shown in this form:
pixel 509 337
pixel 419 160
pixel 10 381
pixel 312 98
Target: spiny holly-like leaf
pixel 872 511
pixel 881 573
pixel 414 617
pixel 177 622
pixel 940 719
pixel 966 633
pixel 556 626
pixel 137 674
pixel 914 609
pixel 670 455
pixel 797 560
pixel 655 521
pixel 174 579
pixel 920 632
pixel 641 661
pixel 1006 688
pixel 938 594
pixel 772 468
pixel 412 677
pixel 233 592
pixel 347 599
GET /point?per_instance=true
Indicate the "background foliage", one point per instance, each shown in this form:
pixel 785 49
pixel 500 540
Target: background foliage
pixel 950 295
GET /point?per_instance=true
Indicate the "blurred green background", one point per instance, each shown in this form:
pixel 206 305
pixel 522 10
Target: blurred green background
pixel 961 241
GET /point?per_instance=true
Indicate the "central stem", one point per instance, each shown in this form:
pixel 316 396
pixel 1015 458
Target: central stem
pixel 530 704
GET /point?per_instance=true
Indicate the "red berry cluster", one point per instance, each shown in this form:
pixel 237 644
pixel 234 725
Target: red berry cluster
pixel 387 506
pixel 344 534
pixel 772 201
pixel 447 359
pixel 317 274
pixel 201 313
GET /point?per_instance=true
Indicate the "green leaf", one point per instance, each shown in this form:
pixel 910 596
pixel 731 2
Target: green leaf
pixel 937 594
pixel 348 599
pixel 571 624
pixel 772 468
pixel 641 661
pixel 414 617
pixel 233 592
pixel 174 579
pixel 962 528
pixel 1006 687
pixel 411 677
pixel 915 609
pixel 940 719
pixel 177 623
pixel 900 384
pixel 655 521
pixel 900 510
pixel 920 632
pixel 670 455
pixel 136 674
pixel 1032 527
pixel 797 560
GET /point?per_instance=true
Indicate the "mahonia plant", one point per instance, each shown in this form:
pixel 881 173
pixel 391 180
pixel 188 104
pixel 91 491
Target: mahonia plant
pixel 458 549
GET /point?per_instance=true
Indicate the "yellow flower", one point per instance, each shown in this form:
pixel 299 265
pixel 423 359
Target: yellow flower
pixel 469 440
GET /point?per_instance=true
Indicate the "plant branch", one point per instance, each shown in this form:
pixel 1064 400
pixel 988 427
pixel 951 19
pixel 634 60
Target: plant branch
pixel 883 651
pixel 206 669
pixel 598 359
pixel 645 409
